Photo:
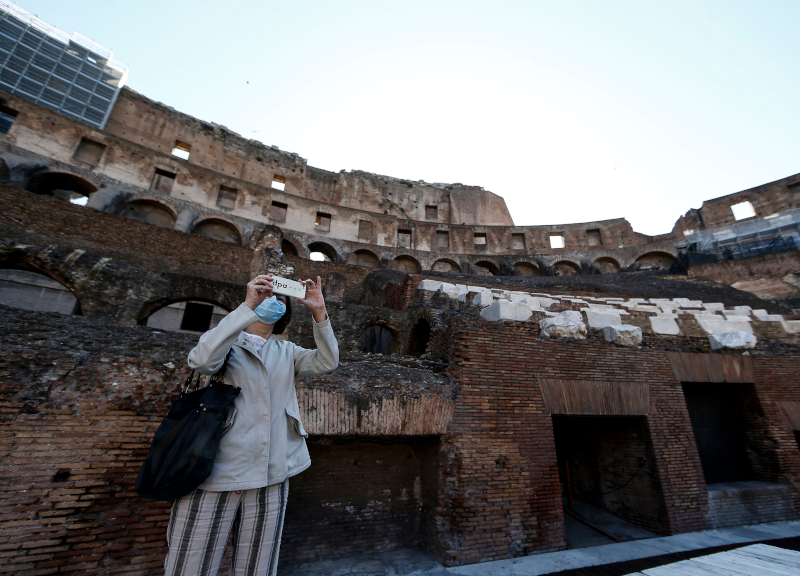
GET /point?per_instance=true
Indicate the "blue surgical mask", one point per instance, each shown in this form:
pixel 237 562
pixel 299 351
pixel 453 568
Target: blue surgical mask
pixel 270 310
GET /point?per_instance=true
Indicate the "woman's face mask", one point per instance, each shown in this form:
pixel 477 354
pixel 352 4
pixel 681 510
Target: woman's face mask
pixel 270 310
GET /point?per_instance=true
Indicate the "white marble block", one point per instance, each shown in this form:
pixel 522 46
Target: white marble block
pixel 664 325
pixel 597 319
pixel 624 334
pixel 736 340
pixel 561 326
pixel 718 325
pixel 483 299
pixel 506 310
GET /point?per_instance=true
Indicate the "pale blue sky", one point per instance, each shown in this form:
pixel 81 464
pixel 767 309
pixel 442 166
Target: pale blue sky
pixel 573 111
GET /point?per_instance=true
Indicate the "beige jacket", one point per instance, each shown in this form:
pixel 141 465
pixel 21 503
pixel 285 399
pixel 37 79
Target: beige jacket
pixel 266 443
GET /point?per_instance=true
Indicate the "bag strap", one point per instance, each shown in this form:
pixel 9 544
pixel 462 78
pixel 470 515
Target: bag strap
pixel 220 374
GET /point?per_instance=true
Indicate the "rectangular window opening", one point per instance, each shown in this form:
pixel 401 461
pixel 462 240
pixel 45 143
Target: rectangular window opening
pixel 89 151
pixel 404 238
pixel 431 213
pixel 279 182
pixel 227 197
pixel 323 222
pixel 593 237
pixel 197 317
pixel 556 241
pixel 743 210
pixel 278 211
pixel 442 239
pixel 7 117
pixel 480 240
pixel 162 181
pixel 518 241
pixel 182 150
pixel 365 231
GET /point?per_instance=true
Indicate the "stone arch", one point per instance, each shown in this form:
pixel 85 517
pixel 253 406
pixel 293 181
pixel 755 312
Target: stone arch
pixel 367 258
pixel 380 338
pixel 528 268
pixel 446 265
pixel 493 269
pixel 25 286
pixel 62 185
pixel 151 211
pixel 184 314
pixel 567 268
pixel 655 260
pixel 328 251
pixel 289 250
pixel 290 245
pixel 607 265
pixel 218 229
pixel 407 264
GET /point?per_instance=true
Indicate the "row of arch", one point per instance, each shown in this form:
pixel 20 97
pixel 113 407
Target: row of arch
pixel 655 260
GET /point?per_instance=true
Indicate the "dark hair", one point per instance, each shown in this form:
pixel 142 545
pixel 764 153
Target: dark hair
pixel 283 321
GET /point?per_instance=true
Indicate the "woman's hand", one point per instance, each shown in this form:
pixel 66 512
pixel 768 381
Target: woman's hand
pixel 258 290
pixel 314 300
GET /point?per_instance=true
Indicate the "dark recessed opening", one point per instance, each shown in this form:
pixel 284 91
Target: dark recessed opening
pixel 197 317
pixel 419 338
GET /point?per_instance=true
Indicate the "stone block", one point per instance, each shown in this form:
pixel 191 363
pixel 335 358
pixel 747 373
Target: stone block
pixel 571 314
pixel 791 326
pixel 456 291
pixel 623 334
pixel 430 285
pixel 602 319
pixel 506 310
pixel 713 306
pixel 483 299
pixel 662 325
pixel 718 325
pixel 560 326
pixel 736 340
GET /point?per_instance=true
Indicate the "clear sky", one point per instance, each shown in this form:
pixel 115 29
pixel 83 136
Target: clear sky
pixel 571 110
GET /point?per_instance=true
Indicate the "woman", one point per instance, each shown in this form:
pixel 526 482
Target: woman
pixel 246 492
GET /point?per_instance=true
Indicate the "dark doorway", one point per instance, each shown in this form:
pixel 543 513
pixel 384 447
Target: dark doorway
pixel 419 337
pixel 608 475
pixel 197 317
pixel 379 339
pixel 719 430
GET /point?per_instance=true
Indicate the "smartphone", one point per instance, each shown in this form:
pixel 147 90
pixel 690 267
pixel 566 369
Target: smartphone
pixel 287 287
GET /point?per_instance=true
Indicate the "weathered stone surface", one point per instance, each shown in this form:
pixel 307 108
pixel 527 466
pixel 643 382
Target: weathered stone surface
pixel 737 340
pixel 663 325
pixel 623 334
pixel 456 291
pixel 483 299
pixel 562 327
pixel 506 310
pixel 718 325
pixel 597 319
pixel 432 285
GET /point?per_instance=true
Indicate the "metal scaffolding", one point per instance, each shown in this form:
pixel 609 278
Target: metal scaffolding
pixel 70 74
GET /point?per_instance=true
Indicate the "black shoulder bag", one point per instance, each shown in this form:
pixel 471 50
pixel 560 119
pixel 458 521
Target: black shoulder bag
pixel 184 447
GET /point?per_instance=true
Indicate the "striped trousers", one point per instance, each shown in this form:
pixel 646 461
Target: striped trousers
pixel 201 522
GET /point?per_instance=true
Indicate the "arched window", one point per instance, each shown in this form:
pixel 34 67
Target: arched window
pixel 607 265
pixel 419 337
pixel 34 291
pixel 655 261
pixel 218 230
pixel 491 267
pixel 191 316
pixel 567 268
pixel 379 339
pixel 151 212
pixel 367 258
pixel 407 264
pixel 528 269
pixel 288 249
pixel 67 187
pixel 320 251
pixel 445 265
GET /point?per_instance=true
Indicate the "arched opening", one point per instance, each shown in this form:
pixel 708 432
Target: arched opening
pixel 379 339
pixel 445 265
pixel 322 252
pixel 150 212
pixel 31 290
pixel 566 268
pixel 190 316
pixel 67 187
pixel 407 264
pixel 486 266
pixel 367 258
pixel 655 261
pixel 528 269
pixel 218 230
pixel 419 337
pixel 289 250
pixel 607 265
